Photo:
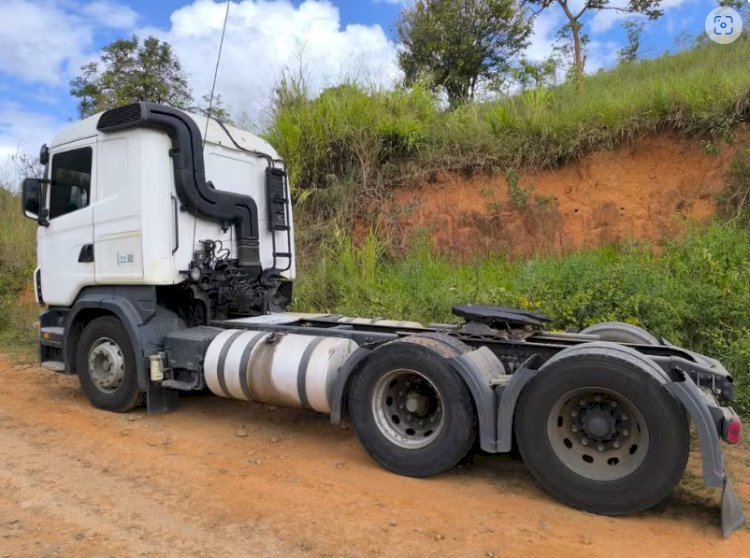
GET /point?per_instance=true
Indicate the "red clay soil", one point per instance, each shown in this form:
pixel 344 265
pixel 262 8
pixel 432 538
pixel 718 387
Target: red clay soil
pixel 645 192
pixel 230 478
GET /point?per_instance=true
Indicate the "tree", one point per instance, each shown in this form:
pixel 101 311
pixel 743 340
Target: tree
pixel 532 75
pixel 563 50
pixel 457 44
pixel 131 72
pixel 629 53
pixel 649 8
pixel 217 108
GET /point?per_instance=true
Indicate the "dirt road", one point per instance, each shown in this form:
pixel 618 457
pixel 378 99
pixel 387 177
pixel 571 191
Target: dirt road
pixel 227 478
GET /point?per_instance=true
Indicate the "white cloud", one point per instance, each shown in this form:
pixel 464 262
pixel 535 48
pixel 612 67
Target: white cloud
pixel 38 40
pixel 111 14
pixel 46 41
pixel 603 20
pixel 263 37
pixel 546 26
pixel 22 131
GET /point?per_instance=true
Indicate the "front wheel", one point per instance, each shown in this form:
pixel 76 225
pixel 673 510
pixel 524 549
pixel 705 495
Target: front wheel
pixel 411 411
pixel 106 366
pixel 600 432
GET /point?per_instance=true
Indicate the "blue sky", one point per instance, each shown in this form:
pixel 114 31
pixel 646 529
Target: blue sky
pixel 43 43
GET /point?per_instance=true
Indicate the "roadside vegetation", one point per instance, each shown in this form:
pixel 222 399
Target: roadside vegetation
pixel 17 261
pixel 694 291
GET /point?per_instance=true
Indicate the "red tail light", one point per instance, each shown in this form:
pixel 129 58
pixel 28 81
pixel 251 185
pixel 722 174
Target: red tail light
pixel 733 430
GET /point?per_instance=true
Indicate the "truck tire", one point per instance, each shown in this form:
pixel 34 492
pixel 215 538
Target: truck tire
pixel 600 432
pixel 106 366
pixel 412 411
pixel 620 332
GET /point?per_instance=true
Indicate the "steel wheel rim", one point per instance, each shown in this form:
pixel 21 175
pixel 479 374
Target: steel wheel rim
pixel 408 408
pixel 106 365
pixel 598 434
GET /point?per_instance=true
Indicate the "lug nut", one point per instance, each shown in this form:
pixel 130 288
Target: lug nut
pixel 626 432
pixel 600 447
pixel 597 398
pixel 585 441
pixel 573 414
pixel 624 416
pixel 616 444
pixel 574 429
pixel 582 402
pixel 613 403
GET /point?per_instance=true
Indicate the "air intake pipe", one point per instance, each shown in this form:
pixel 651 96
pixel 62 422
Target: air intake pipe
pixel 197 195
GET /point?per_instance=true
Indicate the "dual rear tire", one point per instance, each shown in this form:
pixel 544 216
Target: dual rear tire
pixel 600 432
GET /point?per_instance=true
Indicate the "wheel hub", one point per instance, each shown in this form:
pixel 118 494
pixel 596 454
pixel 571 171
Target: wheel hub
pixel 599 421
pixel 408 408
pixel 597 433
pixel 106 365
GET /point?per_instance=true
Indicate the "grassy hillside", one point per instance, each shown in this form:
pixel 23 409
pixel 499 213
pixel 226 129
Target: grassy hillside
pixel 17 261
pixel 350 141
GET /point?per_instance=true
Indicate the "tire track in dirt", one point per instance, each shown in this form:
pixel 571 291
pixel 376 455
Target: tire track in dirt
pixel 225 477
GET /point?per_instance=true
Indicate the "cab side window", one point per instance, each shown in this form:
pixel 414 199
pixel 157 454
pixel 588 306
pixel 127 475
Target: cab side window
pixel 71 181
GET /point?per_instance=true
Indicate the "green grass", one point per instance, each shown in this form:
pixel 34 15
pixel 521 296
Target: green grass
pixel 696 293
pixel 17 261
pixel 380 138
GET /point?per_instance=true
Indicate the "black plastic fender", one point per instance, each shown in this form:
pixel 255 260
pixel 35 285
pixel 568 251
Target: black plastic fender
pixel 479 369
pixel 145 322
pixel 681 387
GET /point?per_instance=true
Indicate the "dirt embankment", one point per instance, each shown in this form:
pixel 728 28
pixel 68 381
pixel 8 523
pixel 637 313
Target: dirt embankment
pixel 646 192
pixel 229 478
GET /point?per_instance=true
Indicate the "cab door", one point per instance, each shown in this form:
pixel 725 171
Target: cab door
pixel 66 253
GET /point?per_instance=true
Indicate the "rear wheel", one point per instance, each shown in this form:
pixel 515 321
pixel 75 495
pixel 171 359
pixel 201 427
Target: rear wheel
pixel 601 433
pixel 411 411
pixel 106 366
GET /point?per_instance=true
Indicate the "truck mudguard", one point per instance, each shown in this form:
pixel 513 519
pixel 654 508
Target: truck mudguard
pixel 136 307
pixel 684 390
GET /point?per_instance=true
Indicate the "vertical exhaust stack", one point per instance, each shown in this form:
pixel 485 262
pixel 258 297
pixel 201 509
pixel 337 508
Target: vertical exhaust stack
pixel 190 175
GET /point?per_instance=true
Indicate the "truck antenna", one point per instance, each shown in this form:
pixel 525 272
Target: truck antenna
pixel 216 72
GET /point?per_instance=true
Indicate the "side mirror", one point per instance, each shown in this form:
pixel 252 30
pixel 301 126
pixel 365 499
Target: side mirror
pixel 32 196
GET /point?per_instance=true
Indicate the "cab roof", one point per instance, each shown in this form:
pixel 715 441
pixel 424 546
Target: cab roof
pixel 215 134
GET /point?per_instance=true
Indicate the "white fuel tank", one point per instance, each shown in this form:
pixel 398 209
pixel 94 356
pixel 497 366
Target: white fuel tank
pixel 281 369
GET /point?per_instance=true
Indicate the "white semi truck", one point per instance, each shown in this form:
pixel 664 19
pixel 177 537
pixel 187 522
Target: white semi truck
pixel 165 262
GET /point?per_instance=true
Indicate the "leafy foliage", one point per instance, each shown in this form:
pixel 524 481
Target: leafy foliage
pixel 17 261
pixel 131 72
pixel 734 201
pixel 695 293
pixel 456 44
pixel 629 53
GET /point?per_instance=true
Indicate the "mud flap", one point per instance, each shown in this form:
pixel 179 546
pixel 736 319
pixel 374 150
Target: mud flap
pixel 714 473
pixel 732 515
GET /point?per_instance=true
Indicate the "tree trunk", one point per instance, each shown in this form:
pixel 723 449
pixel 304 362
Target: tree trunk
pixel 575 28
pixel 578 51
